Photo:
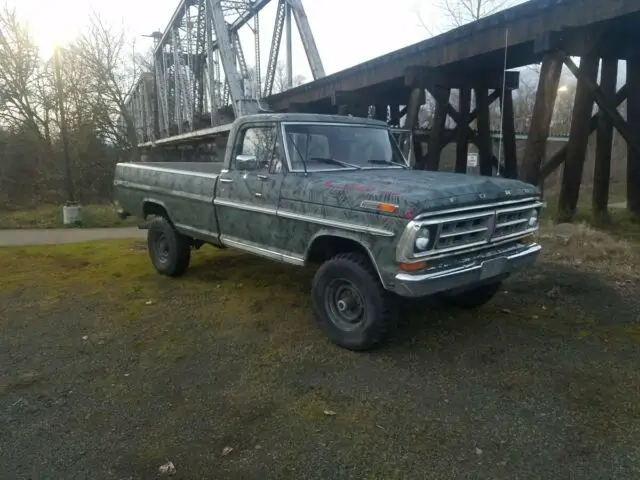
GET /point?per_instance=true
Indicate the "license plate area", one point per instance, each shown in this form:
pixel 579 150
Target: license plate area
pixel 493 267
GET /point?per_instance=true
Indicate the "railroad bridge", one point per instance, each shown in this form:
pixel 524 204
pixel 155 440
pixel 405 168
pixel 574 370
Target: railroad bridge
pixel 202 81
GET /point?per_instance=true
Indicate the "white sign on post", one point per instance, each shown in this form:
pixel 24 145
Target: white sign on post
pixel 472 160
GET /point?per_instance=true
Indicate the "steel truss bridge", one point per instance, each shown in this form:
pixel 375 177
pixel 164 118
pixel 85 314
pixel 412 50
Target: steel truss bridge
pixel 202 77
pixel 202 81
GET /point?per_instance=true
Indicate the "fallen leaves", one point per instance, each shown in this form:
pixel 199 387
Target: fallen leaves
pixel 226 451
pixel 167 469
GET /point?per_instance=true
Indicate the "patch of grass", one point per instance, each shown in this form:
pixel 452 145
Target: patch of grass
pixel 50 216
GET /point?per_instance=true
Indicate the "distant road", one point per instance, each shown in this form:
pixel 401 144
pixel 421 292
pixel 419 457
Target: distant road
pixel 15 238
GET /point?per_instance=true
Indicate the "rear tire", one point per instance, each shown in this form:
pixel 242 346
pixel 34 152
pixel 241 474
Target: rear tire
pixel 170 252
pixel 350 305
pixel 471 299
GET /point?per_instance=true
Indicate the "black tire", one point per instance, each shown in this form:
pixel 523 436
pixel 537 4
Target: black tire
pixel 170 252
pixel 472 298
pixel 368 313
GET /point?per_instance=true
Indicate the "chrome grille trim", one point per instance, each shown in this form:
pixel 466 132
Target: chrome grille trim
pixel 478 207
pixel 485 226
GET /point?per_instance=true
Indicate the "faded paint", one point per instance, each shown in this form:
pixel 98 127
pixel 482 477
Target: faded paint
pixel 283 213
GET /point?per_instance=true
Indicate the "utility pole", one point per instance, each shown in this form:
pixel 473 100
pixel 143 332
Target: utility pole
pixel 63 125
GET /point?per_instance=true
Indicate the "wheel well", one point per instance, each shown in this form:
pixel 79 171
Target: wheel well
pixel 154 209
pixel 326 247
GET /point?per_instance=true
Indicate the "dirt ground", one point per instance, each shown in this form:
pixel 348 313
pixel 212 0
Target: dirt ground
pixel 108 370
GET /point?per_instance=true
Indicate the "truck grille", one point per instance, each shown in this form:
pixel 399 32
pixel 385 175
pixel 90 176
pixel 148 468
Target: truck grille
pixel 478 227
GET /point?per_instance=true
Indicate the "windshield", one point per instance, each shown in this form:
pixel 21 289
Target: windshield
pixel 341 146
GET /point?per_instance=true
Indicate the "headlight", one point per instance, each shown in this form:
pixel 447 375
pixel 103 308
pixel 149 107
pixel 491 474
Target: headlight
pixel 422 240
pixel 533 219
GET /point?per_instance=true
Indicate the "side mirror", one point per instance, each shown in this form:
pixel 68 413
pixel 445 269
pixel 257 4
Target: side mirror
pixel 246 162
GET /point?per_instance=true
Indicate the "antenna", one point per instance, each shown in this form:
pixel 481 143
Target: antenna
pixel 504 84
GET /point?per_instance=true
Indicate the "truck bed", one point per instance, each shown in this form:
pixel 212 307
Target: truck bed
pixel 188 167
pixel 181 188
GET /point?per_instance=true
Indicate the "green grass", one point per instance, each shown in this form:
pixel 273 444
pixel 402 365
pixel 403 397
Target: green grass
pixel 50 216
pixel 618 221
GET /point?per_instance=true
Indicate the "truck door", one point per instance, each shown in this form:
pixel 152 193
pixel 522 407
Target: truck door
pixel 247 194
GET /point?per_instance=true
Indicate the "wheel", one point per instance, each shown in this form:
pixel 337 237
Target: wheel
pixel 472 298
pixel 170 251
pixel 350 305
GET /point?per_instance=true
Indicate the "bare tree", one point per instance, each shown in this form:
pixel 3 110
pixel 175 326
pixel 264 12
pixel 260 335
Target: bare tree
pixel 460 12
pixel 101 51
pixel 21 76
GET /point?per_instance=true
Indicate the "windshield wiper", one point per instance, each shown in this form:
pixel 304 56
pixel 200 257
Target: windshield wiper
pixel 387 162
pixel 333 161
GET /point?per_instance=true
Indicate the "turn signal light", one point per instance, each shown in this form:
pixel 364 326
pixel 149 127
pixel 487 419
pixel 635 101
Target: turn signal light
pixel 387 208
pixel 413 267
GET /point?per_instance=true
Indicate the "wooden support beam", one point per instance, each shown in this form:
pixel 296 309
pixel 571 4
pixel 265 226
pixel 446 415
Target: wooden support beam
pixel 381 112
pixel 359 110
pixel 618 121
pixel 633 155
pixel 536 147
pixel 462 141
pixel 559 157
pixel 426 77
pixel 509 136
pixel 394 114
pixel 453 113
pixel 484 132
pixel 416 99
pixel 578 138
pixel 604 145
pixel 441 96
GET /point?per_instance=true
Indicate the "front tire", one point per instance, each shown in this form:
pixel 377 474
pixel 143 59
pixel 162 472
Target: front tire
pixel 170 252
pixel 350 305
pixel 472 298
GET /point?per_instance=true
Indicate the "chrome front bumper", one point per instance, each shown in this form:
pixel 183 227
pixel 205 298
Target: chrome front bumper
pixel 466 275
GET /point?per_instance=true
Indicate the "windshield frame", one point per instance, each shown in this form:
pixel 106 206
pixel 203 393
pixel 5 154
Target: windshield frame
pixel 394 146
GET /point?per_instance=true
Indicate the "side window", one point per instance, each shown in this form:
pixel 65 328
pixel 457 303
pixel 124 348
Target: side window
pixel 259 142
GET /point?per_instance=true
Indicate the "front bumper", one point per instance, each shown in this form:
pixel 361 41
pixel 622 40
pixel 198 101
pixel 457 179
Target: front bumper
pixel 467 275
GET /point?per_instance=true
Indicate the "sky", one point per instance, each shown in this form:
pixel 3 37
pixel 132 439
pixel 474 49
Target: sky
pixel 347 32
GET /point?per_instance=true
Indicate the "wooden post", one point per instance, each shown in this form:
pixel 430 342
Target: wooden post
pixel 558 158
pixel 381 112
pixel 462 141
pixel 416 100
pixel 359 110
pixel 602 169
pixel 578 139
pixel 633 118
pixel 394 115
pixel 484 132
pixel 536 147
pixel 441 96
pixel 509 136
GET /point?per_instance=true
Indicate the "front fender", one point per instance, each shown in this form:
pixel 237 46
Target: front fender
pixel 361 240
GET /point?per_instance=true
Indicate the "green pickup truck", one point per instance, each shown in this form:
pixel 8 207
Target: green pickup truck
pixel 337 192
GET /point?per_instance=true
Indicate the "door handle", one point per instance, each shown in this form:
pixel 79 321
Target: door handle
pixel 262 177
pixel 226 180
pixel 257 194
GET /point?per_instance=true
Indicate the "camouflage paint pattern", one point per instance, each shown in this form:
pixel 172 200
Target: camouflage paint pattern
pixel 282 214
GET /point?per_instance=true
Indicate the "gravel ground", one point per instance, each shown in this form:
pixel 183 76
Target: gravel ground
pixel 108 370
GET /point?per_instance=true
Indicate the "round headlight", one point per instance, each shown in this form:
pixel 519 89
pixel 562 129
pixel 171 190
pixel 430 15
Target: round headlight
pixel 422 240
pixel 533 219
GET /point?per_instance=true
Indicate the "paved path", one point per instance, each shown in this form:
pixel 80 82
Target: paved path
pixel 14 238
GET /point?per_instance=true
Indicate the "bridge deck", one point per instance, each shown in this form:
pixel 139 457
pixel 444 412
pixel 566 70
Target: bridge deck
pixel 478 47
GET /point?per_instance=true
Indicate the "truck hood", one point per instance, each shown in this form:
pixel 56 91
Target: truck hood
pixel 414 191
